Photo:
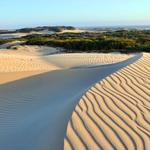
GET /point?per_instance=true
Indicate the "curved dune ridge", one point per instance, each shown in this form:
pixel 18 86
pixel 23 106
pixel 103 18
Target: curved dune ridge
pixel 34 111
pixel 13 61
pixel 85 59
pixel 27 61
pixel 115 113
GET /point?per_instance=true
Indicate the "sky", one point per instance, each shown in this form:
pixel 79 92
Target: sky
pixel 80 13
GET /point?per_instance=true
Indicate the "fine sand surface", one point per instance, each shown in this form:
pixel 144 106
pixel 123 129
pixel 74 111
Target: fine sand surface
pixel 16 65
pixel 26 61
pixel 114 113
pixel 35 111
pixel 36 50
pixel 81 60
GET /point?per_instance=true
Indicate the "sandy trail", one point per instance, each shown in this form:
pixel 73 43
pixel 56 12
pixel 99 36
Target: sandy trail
pixel 34 112
pixel 114 113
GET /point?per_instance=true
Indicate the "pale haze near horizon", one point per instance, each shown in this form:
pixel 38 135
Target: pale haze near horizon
pixel 28 13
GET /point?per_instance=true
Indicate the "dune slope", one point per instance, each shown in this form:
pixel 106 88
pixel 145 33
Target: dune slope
pixel 114 113
pixel 16 65
pixel 34 112
pixel 27 61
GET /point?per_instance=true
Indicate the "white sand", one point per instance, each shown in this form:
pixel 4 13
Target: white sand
pixel 35 111
pixel 114 113
pixel 72 31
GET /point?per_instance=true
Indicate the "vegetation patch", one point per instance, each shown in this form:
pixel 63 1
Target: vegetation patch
pixel 116 41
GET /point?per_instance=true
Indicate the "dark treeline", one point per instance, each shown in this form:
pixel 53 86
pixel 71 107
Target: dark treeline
pixel 117 41
pixel 38 29
pixel 49 28
pixel 88 45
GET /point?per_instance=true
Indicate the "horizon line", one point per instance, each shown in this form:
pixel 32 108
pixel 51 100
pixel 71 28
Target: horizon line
pixel 79 26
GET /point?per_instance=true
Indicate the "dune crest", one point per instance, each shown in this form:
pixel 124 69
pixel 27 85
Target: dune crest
pixel 115 113
pixel 85 59
pixel 27 61
pixel 35 111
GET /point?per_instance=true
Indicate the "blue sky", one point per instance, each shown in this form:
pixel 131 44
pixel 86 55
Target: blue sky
pixel 26 13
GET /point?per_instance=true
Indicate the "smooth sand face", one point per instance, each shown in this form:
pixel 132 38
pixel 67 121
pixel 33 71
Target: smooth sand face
pixel 14 76
pixel 115 113
pixel 79 60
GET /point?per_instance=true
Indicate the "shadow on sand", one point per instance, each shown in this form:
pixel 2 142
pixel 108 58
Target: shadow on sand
pixel 34 112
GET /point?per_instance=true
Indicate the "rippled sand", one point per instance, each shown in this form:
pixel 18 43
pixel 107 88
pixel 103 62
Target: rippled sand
pixel 74 101
pixel 115 112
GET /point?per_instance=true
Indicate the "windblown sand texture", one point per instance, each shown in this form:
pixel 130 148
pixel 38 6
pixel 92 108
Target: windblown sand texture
pixel 85 59
pixel 18 63
pixel 35 110
pixel 15 65
pixel 115 113
pixel 27 61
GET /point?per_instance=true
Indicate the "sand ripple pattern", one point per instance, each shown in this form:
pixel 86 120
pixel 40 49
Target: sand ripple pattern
pixel 13 61
pixel 10 62
pixel 115 113
pixel 85 59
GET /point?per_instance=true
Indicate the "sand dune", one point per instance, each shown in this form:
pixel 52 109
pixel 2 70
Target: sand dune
pixel 35 111
pixel 15 65
pixel 27 61
pixel 79 60
pixel 114 113
pixel 36 50
pixel 18 63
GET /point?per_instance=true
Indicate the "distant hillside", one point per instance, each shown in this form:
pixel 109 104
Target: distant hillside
pixel 49 28
pixel 116 28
